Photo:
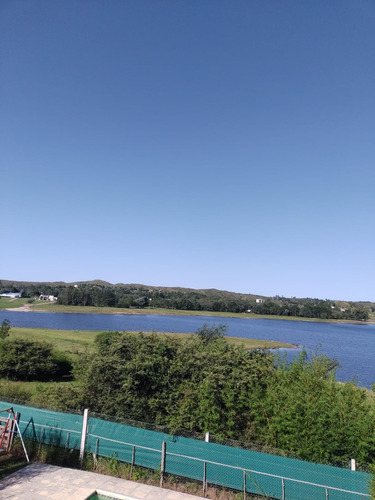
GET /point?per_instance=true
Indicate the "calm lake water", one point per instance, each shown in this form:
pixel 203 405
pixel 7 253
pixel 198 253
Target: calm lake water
pixel 352 345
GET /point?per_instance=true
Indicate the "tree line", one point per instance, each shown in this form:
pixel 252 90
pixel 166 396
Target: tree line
pixel 211 301
pixel 139 296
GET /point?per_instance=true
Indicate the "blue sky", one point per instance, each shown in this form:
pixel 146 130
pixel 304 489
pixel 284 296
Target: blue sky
pixel 203 144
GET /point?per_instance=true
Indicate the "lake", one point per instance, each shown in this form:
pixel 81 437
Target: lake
pixel 352 345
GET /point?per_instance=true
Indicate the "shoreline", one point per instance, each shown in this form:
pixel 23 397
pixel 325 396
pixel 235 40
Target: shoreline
pixel 174 312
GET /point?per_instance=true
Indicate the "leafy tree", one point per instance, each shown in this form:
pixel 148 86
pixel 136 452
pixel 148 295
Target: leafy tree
pixel 183 384
pixel 4 329
pixel 219 383
pixel 129 375
pixel 210 333
pixel 306 411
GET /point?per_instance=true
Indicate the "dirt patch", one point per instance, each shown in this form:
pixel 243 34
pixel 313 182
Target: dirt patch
pixel 24 308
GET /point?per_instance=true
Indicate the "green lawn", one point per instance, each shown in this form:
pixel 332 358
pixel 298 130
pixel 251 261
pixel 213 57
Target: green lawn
pixel 7 303
pixel 72 341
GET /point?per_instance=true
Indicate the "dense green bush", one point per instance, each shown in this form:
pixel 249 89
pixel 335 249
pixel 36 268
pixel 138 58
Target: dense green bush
pixel 307 411
pixel 30 360
pixel 233 393
pixel 4 329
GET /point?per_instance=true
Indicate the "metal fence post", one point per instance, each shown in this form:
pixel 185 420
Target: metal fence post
pixel 327 496
pixel 162 465
pixel 41 440
pixel 133 461
pixel 67 440
pixel 95 454
pixel 283 486
pixel 204 479
pixel 84 434
pixel 244 485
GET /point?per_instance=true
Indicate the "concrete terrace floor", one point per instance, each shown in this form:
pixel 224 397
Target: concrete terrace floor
pixel 48 482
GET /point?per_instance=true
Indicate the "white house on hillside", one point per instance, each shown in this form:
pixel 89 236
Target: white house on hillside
pixel 51 298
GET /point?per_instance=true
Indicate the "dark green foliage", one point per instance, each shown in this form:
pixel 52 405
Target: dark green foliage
pixel 206 300
pixel 186 385
pixel 30 360
pixel 310 308
pixel 208 333
pixel 129 376
pixel 217 384
pixel 201 385
pixel 306 411
pixel 4 329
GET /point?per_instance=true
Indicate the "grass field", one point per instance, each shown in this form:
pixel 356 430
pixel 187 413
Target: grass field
pixel 7 303
pixel 75 341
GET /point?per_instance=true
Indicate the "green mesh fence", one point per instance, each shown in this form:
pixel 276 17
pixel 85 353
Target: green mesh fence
pixel 213 464
pixel 49 427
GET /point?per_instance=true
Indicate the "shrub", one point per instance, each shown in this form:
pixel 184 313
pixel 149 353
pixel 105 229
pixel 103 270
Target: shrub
pixel 4 329
pixel 30 360
pixel 210 333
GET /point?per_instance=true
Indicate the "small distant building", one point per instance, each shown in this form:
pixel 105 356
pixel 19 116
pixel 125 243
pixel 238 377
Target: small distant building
pixel 11 295
pixel 259 301
pixel 50 298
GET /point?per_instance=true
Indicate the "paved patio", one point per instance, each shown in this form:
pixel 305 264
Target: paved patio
pixel 48 482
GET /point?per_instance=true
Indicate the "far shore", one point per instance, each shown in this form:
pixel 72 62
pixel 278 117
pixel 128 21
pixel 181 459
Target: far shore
pixel 42 306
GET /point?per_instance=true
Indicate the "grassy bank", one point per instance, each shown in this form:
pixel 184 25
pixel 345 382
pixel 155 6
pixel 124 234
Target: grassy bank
pixel 75 341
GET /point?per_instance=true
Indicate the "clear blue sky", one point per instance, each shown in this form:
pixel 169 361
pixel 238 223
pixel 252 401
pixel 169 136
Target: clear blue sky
pixel 195 143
